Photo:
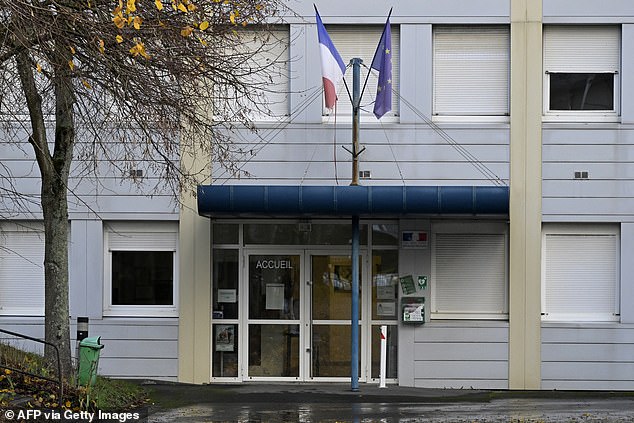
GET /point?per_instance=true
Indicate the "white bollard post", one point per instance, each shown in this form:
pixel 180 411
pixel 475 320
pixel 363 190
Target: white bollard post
pixel 383 356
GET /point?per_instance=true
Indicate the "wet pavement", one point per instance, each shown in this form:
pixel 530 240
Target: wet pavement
pixel 337 403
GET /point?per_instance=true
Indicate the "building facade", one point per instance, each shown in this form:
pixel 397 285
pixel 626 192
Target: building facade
pixel 495 201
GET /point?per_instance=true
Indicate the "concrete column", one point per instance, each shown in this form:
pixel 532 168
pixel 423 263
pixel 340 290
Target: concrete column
pixel 194 324
pixel 525 195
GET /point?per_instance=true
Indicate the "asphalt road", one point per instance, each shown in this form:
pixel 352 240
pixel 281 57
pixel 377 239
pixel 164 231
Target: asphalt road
pixel 516 410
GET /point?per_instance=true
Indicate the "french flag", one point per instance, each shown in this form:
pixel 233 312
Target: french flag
pixel 332 66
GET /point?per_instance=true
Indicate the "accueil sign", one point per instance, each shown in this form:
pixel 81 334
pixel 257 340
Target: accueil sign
pixel 273 264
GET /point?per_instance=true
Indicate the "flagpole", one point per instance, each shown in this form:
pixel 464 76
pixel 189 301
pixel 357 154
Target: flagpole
pixel 375 51
pixel 354 330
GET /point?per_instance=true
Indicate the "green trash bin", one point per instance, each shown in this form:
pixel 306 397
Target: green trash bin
pixel 89 351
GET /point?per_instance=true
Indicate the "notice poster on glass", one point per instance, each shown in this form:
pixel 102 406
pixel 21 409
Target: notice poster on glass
pixel 224 337
pixel 386 309
pixel 385 292
pixel 274 296
pixel 407 285
pixel 227 295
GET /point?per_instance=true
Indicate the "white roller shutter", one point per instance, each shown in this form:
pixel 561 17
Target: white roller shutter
pixel 21 272
pixel 582 49
pixel 264 64
pixel 580 276
pixel 471 70
pixel 142 241
pixel 469 275
pixel 361 41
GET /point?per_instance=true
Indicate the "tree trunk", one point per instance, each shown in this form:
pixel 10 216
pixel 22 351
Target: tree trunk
pixel 56 328
pixel 55 210
pixel 54 171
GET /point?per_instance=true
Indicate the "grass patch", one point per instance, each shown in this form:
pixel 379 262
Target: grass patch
pixel 31 391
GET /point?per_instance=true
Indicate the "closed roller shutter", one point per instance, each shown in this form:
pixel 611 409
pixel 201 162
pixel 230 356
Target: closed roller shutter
pixel 471 70
pixel 469 275
pixel 21 271
pixel 361 41
pixel 580 277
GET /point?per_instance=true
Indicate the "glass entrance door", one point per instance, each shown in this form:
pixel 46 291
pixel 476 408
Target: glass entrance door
pixel 329 316
pixel 273 332
pixel 298 323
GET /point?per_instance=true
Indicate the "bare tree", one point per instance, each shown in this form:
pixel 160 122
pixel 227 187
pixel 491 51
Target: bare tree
pixel 118 81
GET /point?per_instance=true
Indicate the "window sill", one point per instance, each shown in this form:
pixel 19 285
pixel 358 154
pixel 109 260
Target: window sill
pixel 471 119
pixel 588 117
pixel 148 311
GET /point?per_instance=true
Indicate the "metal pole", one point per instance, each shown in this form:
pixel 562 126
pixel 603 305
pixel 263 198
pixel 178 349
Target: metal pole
pixel 354 332
pixel 382 372
pixel 356 102
pixel 354 359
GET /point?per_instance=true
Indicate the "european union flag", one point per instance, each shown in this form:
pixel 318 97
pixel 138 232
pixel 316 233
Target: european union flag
pixel 382 62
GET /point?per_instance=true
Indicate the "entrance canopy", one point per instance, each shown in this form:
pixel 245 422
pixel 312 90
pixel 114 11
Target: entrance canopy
pixel 284 200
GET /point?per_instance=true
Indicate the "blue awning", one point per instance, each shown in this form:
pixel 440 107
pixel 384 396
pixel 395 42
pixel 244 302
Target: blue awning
pixel 287 201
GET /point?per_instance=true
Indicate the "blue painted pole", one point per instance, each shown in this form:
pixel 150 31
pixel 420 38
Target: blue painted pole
pixel 354 330
pixel 354 359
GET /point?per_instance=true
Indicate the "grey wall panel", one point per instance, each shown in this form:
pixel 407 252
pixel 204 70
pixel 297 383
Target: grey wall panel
pixel 584 10
pixel 592 385
pixel 595 352
pixel 29 326
pixel 334 11
pixel 151 368
pixel 86 269
pixel 561 188
pixel 137 347
pixel 627 272
pixel 588 371
pixel 611 153
pixel 587 356
pixel 416 72
pixel 587 333
pixel 589 206
pixel 483 370
pixel 294 172
pixel 627 72
pixel 462 383
pixel 462 354
pixel 458 351
pixel 465 331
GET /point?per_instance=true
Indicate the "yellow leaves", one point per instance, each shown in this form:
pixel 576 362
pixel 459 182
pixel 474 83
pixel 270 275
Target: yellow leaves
pixel 71 64
pixel 119 21
pixel 86 84
pixel 203 25
pixel 72 49
pixel 119 39
pixel 203 42
pixel 102 47
pixel 159 5
pixel 67 404
pixel 187 31
pixel 131 6
pixel 232 18
pixel 136 22
pixel 139 49
pixel 38 67
pixel 182 7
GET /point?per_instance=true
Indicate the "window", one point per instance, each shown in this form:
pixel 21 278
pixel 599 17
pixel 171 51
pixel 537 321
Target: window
pixel 21 269
pixel 580 273
pixel 581 72
pixel 469 273
pixel 261 60
pixel 141 269
pixel 361 41
pixel 471 71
